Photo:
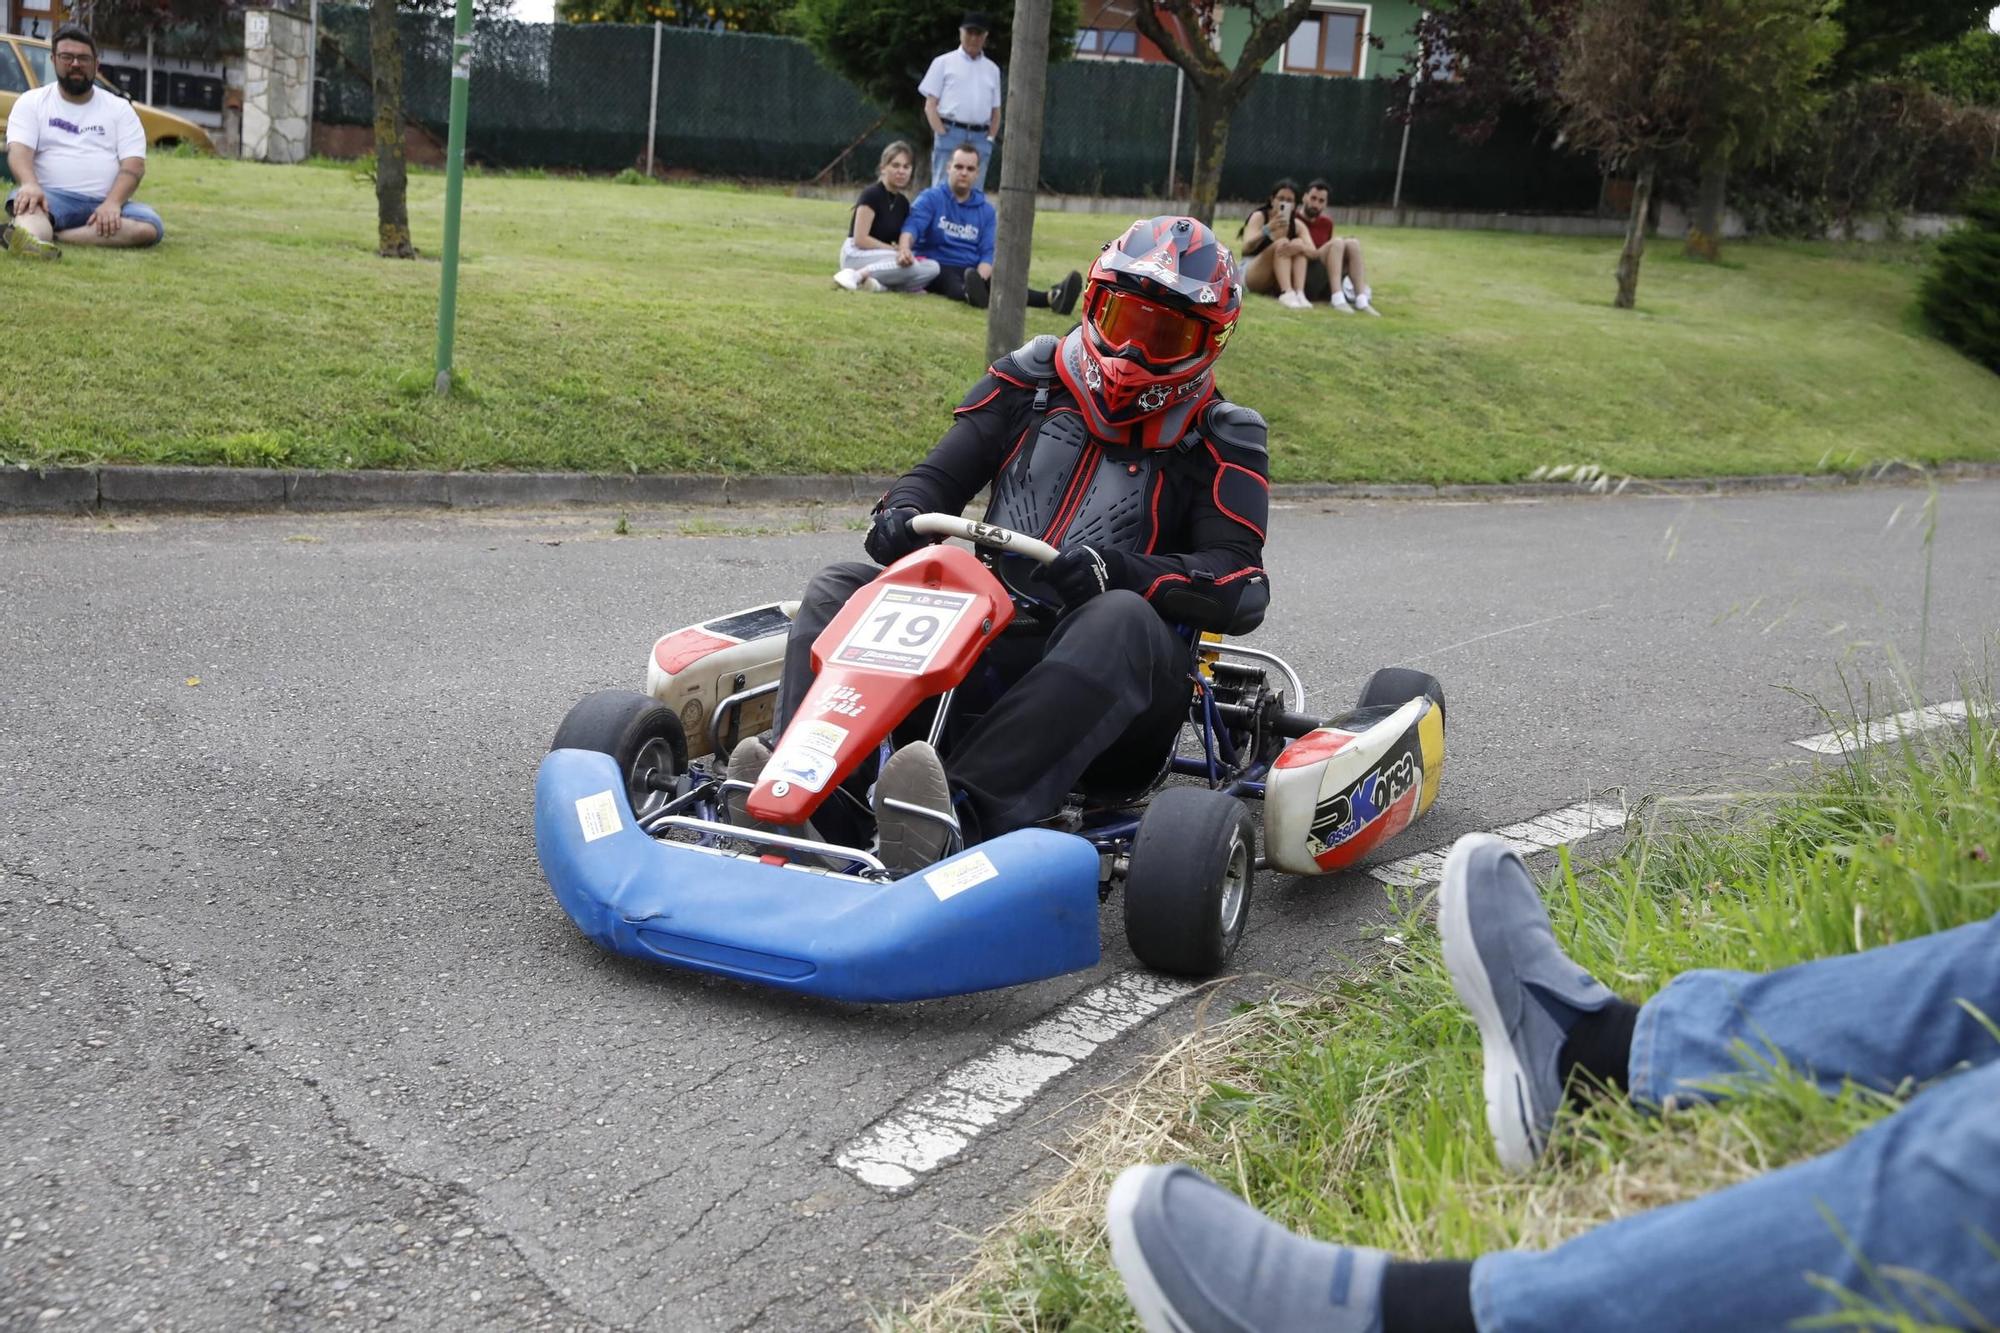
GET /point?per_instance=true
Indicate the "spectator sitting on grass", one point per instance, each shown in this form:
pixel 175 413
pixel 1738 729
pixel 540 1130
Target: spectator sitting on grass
pixel 953 224
pixel 1336 259
pixel 1910 1204
pixel 870 259
pixel 77 152
pixel 1278 247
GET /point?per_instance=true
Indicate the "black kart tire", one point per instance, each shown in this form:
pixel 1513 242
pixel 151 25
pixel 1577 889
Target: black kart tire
pixel 1187 888
pixel 1393 687
pixel 642 736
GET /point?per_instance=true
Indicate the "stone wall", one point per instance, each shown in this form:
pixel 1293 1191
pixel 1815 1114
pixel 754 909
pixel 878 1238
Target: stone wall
pixel 277 91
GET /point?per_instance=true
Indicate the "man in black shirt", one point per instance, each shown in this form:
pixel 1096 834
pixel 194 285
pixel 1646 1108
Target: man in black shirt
pixel 1113 445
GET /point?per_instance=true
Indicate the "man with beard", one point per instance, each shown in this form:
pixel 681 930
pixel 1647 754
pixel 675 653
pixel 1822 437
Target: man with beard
pixel 77 152
pixel 1112 444
pixel 952 224
pixel 1334 257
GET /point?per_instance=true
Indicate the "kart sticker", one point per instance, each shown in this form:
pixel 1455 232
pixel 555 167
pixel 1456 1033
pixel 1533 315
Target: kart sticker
pixel 902 630
pixel 819 737
pixel 955 877
pixel 795 763
pixel 1343 815
pixel 598 816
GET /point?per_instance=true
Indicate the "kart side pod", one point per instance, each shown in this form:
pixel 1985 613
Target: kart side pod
pixel 1345 788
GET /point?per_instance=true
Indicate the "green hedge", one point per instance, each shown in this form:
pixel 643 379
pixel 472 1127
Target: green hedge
pixel 1961 293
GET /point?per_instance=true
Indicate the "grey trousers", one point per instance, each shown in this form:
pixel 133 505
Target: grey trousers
pixel 881 265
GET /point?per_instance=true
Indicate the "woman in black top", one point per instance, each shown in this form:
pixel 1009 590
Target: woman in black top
pixel 1277 248
pixel 868 258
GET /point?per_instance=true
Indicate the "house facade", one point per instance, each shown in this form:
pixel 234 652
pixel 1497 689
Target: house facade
pixel 1334 42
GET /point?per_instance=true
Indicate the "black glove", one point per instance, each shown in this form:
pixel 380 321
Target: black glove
pixel 891 538
pixel 1078 575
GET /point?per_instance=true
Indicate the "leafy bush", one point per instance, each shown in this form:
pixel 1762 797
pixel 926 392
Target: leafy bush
pixel 1967 70
pixel 1961 293
pixel 1874 149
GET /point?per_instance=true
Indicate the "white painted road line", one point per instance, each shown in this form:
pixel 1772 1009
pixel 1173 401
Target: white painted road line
pixel 1572 823
pixel 1911 723
pixel 931 1128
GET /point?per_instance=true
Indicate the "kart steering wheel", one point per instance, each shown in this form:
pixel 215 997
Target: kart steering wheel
pixel 984 534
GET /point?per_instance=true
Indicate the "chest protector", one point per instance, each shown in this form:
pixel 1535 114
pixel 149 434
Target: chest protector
pixel 1062 485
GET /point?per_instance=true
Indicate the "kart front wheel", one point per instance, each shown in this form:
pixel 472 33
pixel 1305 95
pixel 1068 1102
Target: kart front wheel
pixel 1187 888
pixel 642 736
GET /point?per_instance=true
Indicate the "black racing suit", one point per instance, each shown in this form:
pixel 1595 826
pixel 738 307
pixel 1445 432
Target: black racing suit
pixel 1094 696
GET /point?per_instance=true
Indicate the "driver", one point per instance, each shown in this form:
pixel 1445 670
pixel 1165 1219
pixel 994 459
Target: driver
pixel 1112 444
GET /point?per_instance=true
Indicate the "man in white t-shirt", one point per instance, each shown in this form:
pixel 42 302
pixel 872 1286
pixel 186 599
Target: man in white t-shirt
pixel 962 100
pixel 78 152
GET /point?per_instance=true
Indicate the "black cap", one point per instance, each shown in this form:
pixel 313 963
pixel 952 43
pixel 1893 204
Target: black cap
pixel 974 19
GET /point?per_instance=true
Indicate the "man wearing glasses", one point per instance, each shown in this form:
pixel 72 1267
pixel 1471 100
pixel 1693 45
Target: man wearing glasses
pixel 1112 444
pixel 78 153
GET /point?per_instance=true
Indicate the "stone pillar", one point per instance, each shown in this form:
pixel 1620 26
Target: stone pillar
pixel 277 83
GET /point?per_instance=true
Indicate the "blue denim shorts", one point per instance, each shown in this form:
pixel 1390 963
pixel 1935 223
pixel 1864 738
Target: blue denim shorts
pixel 67 210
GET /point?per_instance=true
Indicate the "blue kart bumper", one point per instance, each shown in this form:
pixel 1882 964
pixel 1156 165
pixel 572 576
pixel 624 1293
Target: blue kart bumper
pixel 1019 908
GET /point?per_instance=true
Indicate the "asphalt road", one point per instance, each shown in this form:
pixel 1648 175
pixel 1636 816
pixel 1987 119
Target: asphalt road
pixel 295 1035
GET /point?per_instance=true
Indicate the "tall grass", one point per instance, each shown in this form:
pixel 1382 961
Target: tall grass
pixel 1354 1112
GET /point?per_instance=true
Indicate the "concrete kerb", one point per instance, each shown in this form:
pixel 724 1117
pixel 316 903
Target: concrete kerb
pixel 82 490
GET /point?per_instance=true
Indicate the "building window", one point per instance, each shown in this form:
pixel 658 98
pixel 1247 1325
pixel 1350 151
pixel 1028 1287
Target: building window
pixel 1329 42
pixel 1107 42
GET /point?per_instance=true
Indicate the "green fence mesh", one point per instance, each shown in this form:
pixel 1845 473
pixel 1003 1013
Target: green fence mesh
pixel 574 95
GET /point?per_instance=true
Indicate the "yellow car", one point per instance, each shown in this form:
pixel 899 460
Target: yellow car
pixel 25 64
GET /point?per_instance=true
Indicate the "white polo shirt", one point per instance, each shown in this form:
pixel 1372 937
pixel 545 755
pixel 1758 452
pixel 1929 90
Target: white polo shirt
pixel 77 148
pixel 967 89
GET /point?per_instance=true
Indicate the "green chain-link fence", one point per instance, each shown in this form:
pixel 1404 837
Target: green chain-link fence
pixel 574 95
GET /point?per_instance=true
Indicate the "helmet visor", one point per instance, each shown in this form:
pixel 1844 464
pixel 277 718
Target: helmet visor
pixel 1162 335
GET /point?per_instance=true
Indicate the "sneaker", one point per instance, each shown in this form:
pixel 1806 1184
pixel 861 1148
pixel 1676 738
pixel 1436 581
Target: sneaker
pixel 1346 286
pixel 1364 301
pixel 1524 993
pixel 18 240
pixel 1195 1258
pixel 1340 303
pixel 746 764
pixel 914 823
pixel 869 283
pixel 1293 301
pixel 848 279
pixel 1062 296
pixel 978 290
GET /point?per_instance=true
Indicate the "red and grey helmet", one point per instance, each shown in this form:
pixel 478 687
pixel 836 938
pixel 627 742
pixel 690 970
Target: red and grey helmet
pixel 1160 305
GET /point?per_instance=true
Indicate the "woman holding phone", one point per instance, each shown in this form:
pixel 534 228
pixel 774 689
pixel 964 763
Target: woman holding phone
pixel 1277 247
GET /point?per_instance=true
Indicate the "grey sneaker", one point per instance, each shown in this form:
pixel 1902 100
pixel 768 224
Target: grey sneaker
pixel 746 764
pixel 1195 1258
pixel 1524 993
pixel 18 240
pixel 914 823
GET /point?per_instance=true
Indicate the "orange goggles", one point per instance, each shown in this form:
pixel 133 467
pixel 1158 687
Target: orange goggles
pixel 1163 336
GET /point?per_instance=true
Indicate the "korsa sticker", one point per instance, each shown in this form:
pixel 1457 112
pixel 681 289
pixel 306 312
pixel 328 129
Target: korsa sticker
pixel 955 877
pixel 902 630
pixel 598 816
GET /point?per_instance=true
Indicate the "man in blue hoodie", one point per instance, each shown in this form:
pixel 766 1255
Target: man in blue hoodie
pixel 953 223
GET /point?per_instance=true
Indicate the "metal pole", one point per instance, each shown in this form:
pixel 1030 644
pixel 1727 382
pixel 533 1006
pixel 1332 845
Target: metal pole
pixel 1174 141
pixel 454 189
pixel 147 95
pixel 653 100
pixel 1027 89
pixel 312 75
pixel 1409 113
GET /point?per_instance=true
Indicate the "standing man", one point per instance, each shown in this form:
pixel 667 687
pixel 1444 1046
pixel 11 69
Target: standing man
pixel 1338 256
pixel 962 100
pixel 77 152
pixel 952 224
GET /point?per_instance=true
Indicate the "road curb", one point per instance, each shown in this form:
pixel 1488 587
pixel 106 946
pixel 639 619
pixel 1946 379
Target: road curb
pixel 117 489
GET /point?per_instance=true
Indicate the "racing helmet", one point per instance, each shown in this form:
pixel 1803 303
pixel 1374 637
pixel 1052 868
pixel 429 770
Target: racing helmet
pixel 1158 309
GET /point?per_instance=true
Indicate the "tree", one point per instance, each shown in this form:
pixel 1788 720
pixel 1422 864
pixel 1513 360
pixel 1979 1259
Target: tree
pixel 767 16
pixel 1961 293
pixel 1218 88
pixel 191 28
pixel 1643 82
pixel 1881 34
pixel 1498 53
pixel 385 59
pixel 1967 70
pixel 883 47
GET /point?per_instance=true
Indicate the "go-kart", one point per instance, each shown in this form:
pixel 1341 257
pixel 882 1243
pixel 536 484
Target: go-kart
pixel 632 802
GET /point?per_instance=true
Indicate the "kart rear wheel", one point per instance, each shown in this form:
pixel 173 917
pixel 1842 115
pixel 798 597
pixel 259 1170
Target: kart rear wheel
pixel 1395 686
pixel 642 736
pixel 1187 888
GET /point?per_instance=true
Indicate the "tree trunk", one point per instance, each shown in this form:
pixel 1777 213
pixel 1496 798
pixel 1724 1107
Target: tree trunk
pixel 1704 238
pixel 1211 140
pixel 392 178
pixel 1020 172
pixel 1635 238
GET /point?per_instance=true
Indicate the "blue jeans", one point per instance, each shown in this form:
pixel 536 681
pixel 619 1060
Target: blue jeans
pixel 1918 1190
pixel 953 139
pixel 69 210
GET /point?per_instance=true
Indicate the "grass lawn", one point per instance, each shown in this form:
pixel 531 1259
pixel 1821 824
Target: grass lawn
pixel 651 328
pixel 1356 1114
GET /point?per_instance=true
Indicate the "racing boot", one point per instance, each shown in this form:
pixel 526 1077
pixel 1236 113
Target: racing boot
pixel 746 764
pixel 914 823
